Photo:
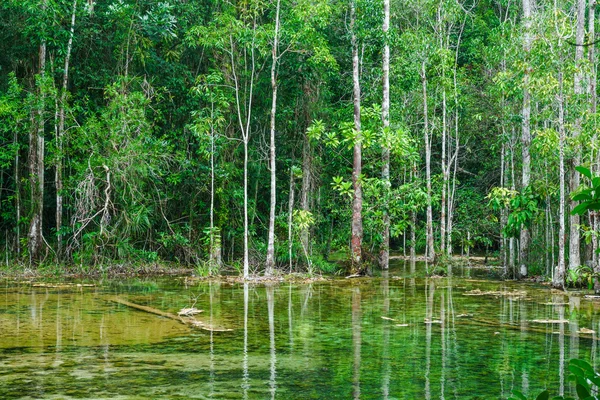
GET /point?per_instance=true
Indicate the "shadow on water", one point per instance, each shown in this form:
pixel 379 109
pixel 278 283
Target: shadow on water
pixel 397 335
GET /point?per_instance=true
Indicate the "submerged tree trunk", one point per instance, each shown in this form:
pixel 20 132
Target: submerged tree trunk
pixel 270 265
pixel 357 228
pixel 384 253
pixel 525 133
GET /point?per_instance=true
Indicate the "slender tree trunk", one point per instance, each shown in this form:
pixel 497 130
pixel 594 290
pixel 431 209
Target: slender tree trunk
pixel 215 234
pixel 60 135
pixel 592 94
pixel 559 274
pixel 444 178
pixel 291 218
pixel 503 249
pixel 17 195
pixel 246 252
pixel 413 219
pixel 512 240
pixel 271 240
pixel 36 163
pixel 245 131
pixel 574 243
pixel 443 45
pixel 430 247
pixel 357 228
pixel 384 253
pixel 525 132
pixel 306 187
pixel 592 55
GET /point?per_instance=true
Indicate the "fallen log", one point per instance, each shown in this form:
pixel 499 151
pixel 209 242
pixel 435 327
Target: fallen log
pixel 188 321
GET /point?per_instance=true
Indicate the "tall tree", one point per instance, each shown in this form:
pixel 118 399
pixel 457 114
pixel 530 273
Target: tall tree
pixel 60 133
pixel 579 90
pixel 273 200
pixel 384 254
pixel 526 130
pixel 36 156
pixel 357 200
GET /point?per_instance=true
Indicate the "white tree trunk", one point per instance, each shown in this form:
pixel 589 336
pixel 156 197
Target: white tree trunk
pixel 60 134
pixel 270 265
pixel 559 274
pixel 357 228
pixel 430 246
pixel 574 220
pixel 525 133
pixel 384 254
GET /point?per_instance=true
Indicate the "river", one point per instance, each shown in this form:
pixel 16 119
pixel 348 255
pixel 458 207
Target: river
pixel 395 336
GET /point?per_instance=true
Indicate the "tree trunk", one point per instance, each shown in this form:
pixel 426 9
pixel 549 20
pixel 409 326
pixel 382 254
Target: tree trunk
pixel 413 219
pixel 592 93
pixel 306 187
pixel 36 163
pixel 291 218
pixel 17 196
pixel 525 133
pixel 270 265
pixel 59 141
pixel 574 243
pixel 559 275
pixel 215 234
pixel 357 228
pixel 384 253
pixel 245 131
pixel 430 253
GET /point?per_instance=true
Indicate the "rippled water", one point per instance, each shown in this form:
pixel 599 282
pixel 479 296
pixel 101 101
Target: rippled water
pixel 399 336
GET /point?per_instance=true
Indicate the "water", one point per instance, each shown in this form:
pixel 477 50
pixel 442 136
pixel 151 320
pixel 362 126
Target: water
pixel 323 340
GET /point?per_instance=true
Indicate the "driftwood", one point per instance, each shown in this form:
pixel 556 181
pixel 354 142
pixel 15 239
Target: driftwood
pixel 188 321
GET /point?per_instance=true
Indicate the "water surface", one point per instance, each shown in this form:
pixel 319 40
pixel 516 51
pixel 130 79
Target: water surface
pixel 397 336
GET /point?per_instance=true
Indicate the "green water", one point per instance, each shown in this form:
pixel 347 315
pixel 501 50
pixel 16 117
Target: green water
pixel 323 340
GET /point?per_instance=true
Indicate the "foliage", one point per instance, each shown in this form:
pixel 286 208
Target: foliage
pixel 584 377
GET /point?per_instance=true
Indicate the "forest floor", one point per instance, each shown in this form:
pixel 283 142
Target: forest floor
pixel 26 271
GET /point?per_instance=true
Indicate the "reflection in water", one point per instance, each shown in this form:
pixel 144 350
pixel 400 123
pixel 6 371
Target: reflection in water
pixel 77 343
pixel 270 305
pixel 356 341
pixel 385 289
pixel 558 300
pixel 212 344
pixel 429 295
pixel 246 379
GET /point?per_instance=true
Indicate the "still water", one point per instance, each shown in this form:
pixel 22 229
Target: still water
pixel 397 336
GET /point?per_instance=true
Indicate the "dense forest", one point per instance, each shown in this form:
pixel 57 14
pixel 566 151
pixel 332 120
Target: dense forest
pixel 268 135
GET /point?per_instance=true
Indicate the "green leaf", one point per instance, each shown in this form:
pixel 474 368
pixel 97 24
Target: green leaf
pixel 545 395
pixel 584 171
pixel 582 196
pixel 584 365
pixel 582 392
pixel 581 208
pixel 519 395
